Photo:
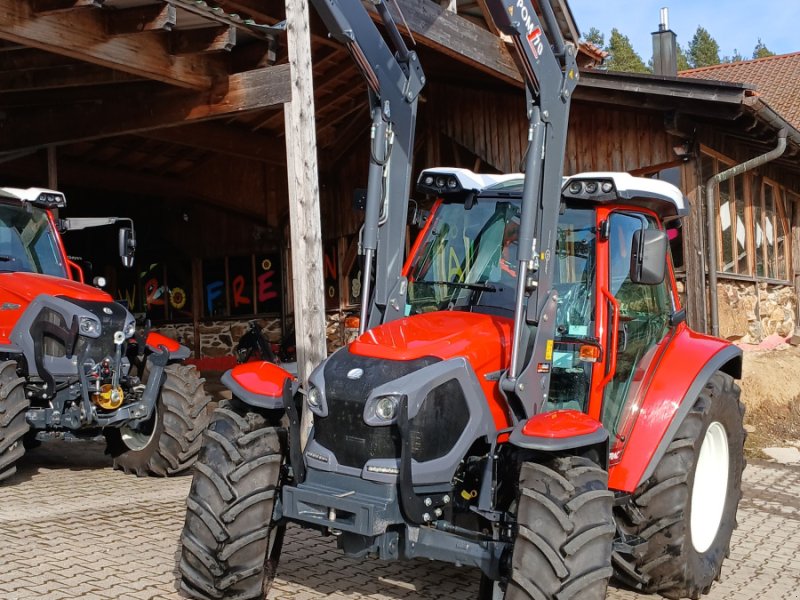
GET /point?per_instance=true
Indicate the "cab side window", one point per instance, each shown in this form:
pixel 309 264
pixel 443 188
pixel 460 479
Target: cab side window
pixel 644 313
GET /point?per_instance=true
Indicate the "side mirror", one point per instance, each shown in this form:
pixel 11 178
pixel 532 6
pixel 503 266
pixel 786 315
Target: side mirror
pixel 649 256
pixel 127 246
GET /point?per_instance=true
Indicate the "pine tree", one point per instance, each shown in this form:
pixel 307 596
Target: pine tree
pixel 761 51
pixel 622 56
pixel 736 57
pixel 683 61
pixel 703 49
pixel 594 36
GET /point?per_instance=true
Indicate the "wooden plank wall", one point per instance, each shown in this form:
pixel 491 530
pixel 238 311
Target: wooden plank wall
pixel 493 125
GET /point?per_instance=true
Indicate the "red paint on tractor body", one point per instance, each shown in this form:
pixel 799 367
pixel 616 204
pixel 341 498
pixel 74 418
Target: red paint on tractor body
pixel 680 364
pixel 560 424
pixel 154 340
pixel 18 290
pixel 262 378
pixel 483 340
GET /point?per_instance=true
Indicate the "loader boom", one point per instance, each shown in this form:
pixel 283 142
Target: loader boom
pixel 550 72
pixel 394 80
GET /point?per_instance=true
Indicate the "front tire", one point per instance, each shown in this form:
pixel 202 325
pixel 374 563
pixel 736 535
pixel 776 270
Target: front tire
pixel 230 545
pixel 679 512
pixel 13 426
pixel 168 443
pixel 564 534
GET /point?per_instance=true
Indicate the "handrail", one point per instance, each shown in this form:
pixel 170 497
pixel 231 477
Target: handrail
pixel 611 364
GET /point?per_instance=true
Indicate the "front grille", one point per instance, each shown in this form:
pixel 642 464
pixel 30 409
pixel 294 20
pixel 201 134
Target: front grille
pixel 440 421
pixel 344 431
pixel 52 346
pixel 434 431
pixel 99 348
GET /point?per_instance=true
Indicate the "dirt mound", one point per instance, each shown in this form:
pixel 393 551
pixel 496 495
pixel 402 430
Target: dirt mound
pixel 771 377
pixel 771 391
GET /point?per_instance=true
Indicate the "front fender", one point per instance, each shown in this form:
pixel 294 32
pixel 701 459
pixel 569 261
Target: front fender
pixel 558 431
pixel 260 384
pixel 176 350
pixel 687 364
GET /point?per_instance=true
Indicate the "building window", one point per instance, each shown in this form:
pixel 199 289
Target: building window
pixel 751 223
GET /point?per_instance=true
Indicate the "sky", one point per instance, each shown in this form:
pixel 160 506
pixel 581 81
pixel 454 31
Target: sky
pixel 734 24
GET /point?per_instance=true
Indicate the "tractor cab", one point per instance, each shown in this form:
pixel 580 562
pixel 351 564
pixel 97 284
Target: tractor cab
pixel 28 238
pixel 609 275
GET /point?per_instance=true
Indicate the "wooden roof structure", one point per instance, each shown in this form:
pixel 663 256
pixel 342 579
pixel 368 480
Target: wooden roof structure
pixel 137 95
pixel 77 71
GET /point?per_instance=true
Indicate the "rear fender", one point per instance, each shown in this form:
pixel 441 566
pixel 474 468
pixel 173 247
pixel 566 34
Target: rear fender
pixel 260 384
pixel 687 364
pixel 560 431
pixel 176 351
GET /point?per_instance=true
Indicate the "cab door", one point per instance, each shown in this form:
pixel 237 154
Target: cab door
pixel 634 321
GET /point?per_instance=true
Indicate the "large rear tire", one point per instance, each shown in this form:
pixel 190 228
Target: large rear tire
pixel 686 512
pixel 230 545
pixel 565 529
pixel 13 425
pixel 169 442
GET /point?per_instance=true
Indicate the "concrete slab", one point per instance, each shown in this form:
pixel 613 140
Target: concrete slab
pixel 786 456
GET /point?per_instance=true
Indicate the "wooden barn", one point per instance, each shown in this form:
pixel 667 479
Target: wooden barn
pixel 171 112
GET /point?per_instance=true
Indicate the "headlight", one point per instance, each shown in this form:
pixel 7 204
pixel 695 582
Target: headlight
pixel 382 410
pixel 89 326
pixel 130 329
pixel 314 398
pixel 386 408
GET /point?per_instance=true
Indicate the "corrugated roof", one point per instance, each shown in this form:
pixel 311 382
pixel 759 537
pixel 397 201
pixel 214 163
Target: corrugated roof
pixel 776 79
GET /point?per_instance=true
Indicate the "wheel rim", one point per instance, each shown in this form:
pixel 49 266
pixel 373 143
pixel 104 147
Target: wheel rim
pixel 710 488
pixel 139 439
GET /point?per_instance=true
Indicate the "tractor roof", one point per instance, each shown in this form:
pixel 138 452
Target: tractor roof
pixel 41 197
pixel 661 197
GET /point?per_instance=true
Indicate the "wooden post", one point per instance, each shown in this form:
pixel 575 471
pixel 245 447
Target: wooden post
pixel 304 212
pixel 52 168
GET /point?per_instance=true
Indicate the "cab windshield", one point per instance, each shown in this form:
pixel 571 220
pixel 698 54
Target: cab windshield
pixel 27 242
pixel 468 261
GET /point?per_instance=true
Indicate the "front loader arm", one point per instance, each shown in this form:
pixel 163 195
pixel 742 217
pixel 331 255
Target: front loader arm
pixel 394 79
pixel 551 75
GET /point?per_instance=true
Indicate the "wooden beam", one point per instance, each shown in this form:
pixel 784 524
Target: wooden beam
pixel 264 11
pixel 487 16
pixel 456 37
pixel 82 35
pixel 52 168
pixel 158 17
pixel 47 7
pixel 229 139
pixel 30 58
pixel 202 41
pixel 304 210
pixel 133 112
pixel 65 76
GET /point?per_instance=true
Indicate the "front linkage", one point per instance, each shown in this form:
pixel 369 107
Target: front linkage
pixel 81 374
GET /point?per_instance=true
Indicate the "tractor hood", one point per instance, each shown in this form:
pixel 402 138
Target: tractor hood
pixel 485 341
pixel 24 287
pixel 17 290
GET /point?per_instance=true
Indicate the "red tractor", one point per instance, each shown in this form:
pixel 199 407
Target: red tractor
pixel 71 360
pixel 524 397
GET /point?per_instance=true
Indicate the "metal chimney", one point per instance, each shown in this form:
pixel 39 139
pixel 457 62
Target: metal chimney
pixel 665 48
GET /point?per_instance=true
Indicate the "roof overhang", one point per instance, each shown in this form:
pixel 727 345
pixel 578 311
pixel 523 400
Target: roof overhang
pixel 706 100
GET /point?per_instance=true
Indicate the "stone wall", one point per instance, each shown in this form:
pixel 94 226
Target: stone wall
pixel 217 338
pixel 750 312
